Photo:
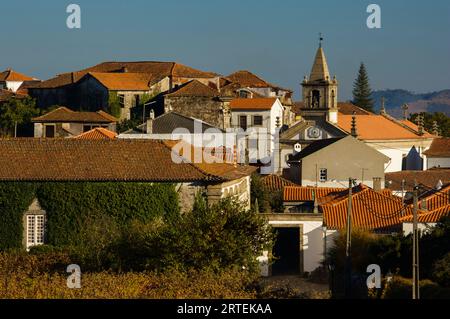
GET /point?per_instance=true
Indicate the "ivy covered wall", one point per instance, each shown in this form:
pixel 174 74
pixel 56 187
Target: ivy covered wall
pixel 68 204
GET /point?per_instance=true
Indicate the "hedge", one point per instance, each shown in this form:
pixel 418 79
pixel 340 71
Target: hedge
pixel 67 204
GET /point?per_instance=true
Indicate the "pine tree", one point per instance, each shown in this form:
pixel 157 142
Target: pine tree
pixel 362 94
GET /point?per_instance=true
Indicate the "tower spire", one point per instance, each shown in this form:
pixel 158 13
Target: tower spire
pixel 319 71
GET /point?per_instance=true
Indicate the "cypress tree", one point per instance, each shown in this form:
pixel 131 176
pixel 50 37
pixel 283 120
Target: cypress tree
pixel 362 93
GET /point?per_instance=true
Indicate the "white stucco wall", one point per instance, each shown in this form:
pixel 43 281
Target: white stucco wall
pixel 423 227
pixel 443 162
pixel 13 85
pixel 313 242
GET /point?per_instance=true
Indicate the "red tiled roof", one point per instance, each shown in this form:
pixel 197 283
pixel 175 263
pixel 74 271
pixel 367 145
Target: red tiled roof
pixel 440 147
pixel 13 76
pixel 429 178
pixel 429 217
pixel 252 104
pixel 125 81
pixel 248 79
pixel 63 114
pixel 276 183
pixel 377 127
pixel 347 108
pixel 219 168
pixel 98 133
pixel 155 68
pixel 30 159
pixel 305 194
pixel 434 199
pixel 370 210
pixel 194 88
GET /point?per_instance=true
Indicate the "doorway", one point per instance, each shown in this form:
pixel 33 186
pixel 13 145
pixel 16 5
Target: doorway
pixel 287 251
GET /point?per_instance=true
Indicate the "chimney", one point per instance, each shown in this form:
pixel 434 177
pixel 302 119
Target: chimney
pixel 72 78
pixel 376 184
pixel 149 123
pixel 354 132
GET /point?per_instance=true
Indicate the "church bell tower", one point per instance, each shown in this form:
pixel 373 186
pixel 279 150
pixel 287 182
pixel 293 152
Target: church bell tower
pixel 319 90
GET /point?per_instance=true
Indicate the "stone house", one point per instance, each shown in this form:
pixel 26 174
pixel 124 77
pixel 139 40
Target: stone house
pixel 116 160
pixel 63 122
pixel 127 79
pixel 245 84
pixel 197 100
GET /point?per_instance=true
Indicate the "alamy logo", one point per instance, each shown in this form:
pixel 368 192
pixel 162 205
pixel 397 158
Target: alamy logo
pixel 374 280
pixel 74 19
pixel 74 279
pixel 374 19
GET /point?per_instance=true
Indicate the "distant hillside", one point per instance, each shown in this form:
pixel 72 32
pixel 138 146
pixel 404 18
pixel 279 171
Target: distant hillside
pixel 428 102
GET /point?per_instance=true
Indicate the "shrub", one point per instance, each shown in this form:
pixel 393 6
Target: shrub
pixel 441 271
pixel 401 288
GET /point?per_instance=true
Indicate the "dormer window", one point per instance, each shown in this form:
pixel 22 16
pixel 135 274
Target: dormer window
pixel 244 94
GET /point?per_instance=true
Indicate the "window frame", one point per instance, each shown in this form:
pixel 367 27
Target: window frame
pixel 257 116
pixel 35 229
pixel 323 172
pixel 48 126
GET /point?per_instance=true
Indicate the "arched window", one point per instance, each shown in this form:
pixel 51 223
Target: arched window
pixel 315 99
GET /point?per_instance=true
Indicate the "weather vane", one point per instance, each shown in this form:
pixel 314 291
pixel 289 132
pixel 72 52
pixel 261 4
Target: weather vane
pixel 320 39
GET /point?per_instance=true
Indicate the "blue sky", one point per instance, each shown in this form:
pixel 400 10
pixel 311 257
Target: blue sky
pixel 275 39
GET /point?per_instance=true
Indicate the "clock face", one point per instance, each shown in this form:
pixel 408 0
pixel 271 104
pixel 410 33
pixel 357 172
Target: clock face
pixel 313 132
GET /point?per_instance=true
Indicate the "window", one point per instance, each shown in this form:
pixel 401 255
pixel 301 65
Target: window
pixel 35 230
pixel 244 94
pixel 49 131
pixel 243 122
pixel 323 175
pixel 257 120
pixel 121 98
pixel 137 100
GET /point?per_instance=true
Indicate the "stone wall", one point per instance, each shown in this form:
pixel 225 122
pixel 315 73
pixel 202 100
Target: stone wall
pixel 203 108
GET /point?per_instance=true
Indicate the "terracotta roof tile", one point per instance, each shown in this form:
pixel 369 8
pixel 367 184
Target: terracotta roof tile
pixel 125 81
pixel 248 79
pixel 65 115
pixel 305 194
pixel 97 133
pixel 440 147
pixel 377 127
pixel 430 217
pixel 276 183
pixel 72 159
pixel 13 76
pixel 194 88
pixel 429 178
pixel 370 210
pixel 156 68
pixel 252 104
pixel 347 108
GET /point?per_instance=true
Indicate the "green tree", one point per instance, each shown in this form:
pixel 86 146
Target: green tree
pixel 362 93
pixel 15 113
pixel 442 120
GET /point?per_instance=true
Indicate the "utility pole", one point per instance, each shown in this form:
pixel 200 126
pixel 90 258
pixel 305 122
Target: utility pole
pixel 415 262
pixel 348 246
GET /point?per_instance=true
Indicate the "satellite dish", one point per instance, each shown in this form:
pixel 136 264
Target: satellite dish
pixel 298 147
pixel 439 185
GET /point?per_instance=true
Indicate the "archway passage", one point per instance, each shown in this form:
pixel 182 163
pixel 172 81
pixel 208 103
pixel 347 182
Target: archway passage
pixel 287 252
